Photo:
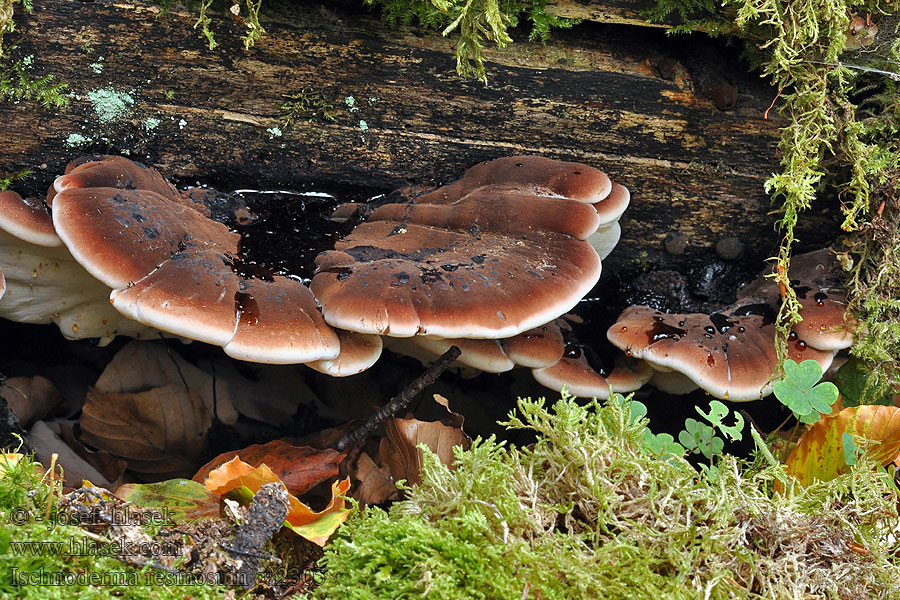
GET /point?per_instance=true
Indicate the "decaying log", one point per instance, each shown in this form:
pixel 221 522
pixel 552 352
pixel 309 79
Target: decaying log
pixel 622 12
pixel 385 108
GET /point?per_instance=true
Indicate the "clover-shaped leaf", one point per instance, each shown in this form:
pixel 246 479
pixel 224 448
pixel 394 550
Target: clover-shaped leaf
pixel 638 411
pixel 800 393
pixel 699 438
pixel 661 444
pixel 716 416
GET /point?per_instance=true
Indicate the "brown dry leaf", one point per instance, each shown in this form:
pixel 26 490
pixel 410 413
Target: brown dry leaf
pixel 160 432
pixel 399 453
pixel 30 398
pixel 375 483
pixel 112 468
pixel 819 455
pixel 300 468
pixel 268 393
pixel 143 365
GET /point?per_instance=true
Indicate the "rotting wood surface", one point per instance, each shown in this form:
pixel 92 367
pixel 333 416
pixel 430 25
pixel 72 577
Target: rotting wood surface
pixel 612 96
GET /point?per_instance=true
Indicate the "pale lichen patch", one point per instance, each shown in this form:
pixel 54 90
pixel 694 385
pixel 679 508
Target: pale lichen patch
pixel 109 104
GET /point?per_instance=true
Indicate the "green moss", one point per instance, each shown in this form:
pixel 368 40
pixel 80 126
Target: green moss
pixel 587 512
pixel 478 23
pixel 7 25
pixel 307 106
pixel 6 180
pixel 52 570
pixel 16 84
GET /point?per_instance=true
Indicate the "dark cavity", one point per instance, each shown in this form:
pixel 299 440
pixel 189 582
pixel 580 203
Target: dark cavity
pixel 281 233
pixel 762 310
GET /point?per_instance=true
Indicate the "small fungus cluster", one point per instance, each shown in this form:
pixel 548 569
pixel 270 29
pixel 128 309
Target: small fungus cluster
pixel 731 354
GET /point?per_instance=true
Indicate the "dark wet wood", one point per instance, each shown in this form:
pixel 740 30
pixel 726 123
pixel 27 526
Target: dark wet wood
pixel 616 97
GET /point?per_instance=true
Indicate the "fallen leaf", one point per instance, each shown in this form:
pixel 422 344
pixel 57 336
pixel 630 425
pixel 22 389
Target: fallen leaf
pixel 272 394
pixel 375 483
pixel 143 365
pixel 819 455
pixel 317 527
pixel 180 500
pixel 112 468
pixel 398 450
pixel 244 480
pixel 160 432
pixel 30 398
pixel 300 468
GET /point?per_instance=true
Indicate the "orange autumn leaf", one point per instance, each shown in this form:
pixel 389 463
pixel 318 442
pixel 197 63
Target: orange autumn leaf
pixel 317 527
pixel 228 476
pixel 300 467
pixel 819 455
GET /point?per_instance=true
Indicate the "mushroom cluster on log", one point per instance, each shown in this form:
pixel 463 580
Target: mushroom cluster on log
pixel 731 354
pixel 487 262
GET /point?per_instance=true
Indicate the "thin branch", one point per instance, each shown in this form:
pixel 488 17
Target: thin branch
pixel 398 402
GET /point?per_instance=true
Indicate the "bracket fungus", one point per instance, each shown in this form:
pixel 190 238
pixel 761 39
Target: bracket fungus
pixel 42 282
pixel 579 376
pixel 495 255
pixel 731 354
pixel 486 257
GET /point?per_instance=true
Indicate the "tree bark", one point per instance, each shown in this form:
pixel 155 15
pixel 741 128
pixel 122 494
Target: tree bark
pixel 616 97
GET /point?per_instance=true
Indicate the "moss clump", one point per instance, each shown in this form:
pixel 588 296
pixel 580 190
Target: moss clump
pixel 306 106
pixel 6 17
pixel 16 84
pixel 478 22
pixel 587 512
pixel 48 568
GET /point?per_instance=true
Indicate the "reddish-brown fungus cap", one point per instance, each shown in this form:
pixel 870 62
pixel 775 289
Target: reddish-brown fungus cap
pixel 359 351
pixel 279 320
pixel 489 256
pixel 113 172
pixel 731 354
pixel 192 294
pixel 536 348
pixel 541 175
pixel 611 208
pixel 170 267
pixel 496 209
pixel 579 377
pixel 120 236
pixel 27 219
pixel 402 279
pixel 815 277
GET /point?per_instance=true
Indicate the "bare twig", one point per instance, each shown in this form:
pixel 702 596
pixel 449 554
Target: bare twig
pixel 398 402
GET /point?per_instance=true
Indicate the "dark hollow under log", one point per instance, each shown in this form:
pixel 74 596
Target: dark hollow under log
pixel 625 99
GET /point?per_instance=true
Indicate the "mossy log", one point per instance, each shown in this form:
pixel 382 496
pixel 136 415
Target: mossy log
pixel 375 108
pixel 622 12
